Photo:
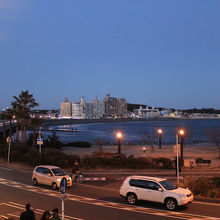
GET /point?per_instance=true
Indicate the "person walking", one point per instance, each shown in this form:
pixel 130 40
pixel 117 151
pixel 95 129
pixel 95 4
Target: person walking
pixel 55 215
pixel 45 216
pixel 75 171
pixel 28 214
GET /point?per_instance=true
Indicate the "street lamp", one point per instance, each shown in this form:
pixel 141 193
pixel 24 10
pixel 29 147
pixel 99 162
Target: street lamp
pixel 119 136
pixel 9 141
pixel 181 133
pixel 178 164
pixel 159 131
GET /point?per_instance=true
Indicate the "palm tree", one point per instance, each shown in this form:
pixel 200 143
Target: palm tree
pixel 35 123
pixel 9 117
pixel 23 103
pixel 3 118
pixel 17 115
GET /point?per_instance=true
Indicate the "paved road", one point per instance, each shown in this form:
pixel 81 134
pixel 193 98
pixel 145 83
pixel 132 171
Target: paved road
pixel 87 201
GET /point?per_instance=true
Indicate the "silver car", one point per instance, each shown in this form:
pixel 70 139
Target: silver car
pixel 50 176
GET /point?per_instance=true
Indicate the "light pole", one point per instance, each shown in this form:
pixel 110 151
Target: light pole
pixel 181 132
pixel 9 141
pixel 119 135
pixel 159 137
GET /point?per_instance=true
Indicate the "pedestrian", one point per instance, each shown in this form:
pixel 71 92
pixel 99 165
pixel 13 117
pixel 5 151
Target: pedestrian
pixel 28 214
pixel 46 215
pixel 55 215
pixel 75 171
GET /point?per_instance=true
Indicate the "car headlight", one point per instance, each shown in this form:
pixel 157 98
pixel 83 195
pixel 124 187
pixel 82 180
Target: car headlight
pixel 58 179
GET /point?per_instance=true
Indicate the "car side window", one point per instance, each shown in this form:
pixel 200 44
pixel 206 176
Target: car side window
pixel 132 182
pixel 141 184
pixel 152 185
pixel 46 171
pixel 40 170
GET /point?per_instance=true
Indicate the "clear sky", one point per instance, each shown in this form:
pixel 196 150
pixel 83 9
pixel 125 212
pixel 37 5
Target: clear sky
pixel 155 52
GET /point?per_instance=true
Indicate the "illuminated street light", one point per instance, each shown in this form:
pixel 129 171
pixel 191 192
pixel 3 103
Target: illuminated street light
pixel 159 137
pixel 119 136
pixel 181 134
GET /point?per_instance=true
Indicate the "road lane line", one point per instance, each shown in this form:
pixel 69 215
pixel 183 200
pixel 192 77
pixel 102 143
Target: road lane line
pixel 38 211
pixel 207 203
pixel 14 203
pixel 14 215
pixel 5 168
pixel 110 204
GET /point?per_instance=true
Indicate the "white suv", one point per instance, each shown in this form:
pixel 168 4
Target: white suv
pixel 49 175
pixel 153 189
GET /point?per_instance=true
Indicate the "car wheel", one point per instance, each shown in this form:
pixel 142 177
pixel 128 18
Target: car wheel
pixel 35 181
pixel 131 198
pixel 54 185
pixel 171 204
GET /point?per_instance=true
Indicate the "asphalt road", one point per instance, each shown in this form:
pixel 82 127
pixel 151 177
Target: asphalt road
pixel 88 201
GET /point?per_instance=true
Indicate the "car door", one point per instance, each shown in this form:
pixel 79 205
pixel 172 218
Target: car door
pixel 141 189
pixel 39 175
pixel 154 192
pixel 48 177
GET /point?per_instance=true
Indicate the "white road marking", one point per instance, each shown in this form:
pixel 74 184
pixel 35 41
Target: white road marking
pixel 5 168
pixel 108 204
pixel 207 203
pixel 38 211
pixel 17 216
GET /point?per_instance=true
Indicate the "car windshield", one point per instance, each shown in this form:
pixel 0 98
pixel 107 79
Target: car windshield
pixel 58 172
pixel 168 185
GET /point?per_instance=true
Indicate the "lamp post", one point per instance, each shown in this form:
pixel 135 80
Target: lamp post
pixel 159 137
pixel 119 135
pixel 181 133
pixel 9 141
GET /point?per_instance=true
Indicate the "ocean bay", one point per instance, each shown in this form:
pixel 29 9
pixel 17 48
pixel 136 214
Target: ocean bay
pixel 135 132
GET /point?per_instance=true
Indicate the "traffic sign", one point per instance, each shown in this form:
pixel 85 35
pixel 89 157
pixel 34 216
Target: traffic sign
pixel 39 141
pixel 63 185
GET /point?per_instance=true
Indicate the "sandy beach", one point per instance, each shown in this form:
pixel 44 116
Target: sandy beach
pixel 191 152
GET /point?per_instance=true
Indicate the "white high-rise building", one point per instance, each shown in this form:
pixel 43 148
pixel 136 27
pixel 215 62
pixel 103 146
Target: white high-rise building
pixel 65 109
pixel 76 110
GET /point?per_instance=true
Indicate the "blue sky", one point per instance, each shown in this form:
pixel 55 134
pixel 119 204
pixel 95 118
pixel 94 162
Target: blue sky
pixel 156 52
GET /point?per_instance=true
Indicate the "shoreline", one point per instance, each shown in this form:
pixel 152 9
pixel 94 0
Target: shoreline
pixel 52 122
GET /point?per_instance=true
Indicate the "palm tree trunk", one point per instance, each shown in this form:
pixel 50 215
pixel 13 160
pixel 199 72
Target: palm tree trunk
pixel 34 137
pixel 22 131
pixel 4 129
pixel 17 124
pixel 25 134
pixel 10 128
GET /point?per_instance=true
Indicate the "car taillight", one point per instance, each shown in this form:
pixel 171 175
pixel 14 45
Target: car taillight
pixel 122 182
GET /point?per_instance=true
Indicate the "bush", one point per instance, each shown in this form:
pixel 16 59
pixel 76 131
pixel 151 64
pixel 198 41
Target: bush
pixel 207 187
pixel 162 162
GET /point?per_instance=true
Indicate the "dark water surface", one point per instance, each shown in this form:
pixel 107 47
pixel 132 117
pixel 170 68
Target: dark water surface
pixel 196 131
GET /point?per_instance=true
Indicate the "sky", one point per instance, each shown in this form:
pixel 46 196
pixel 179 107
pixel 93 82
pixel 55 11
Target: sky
pixel 157 52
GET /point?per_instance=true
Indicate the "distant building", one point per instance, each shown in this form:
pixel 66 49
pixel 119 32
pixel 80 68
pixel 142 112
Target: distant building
pixel 89 110
pixel 76 110
pixel 115 107
pixel 65 109
pixel 98 108
pixel 82 108
pixel 147 112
